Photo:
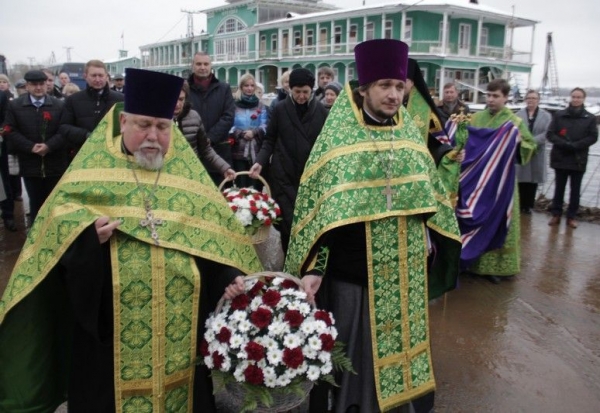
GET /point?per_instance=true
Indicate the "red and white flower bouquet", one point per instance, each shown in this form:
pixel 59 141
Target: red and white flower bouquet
pixel 270 342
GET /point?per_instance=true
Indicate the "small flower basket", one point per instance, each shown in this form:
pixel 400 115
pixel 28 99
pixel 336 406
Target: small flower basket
pixel 268 346
pixel 257 211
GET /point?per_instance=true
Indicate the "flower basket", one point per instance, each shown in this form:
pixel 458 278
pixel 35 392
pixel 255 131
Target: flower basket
pixel 257 211
pixel 268 346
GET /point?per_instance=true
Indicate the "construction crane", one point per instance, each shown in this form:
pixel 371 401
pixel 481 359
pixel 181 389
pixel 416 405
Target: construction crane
pixel 550 78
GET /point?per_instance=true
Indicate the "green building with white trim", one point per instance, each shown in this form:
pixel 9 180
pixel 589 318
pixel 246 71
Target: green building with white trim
pixel 453 40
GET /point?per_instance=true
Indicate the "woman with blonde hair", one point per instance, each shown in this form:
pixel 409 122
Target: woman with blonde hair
pixel 249 127
pixel 69 89
pixel 5 86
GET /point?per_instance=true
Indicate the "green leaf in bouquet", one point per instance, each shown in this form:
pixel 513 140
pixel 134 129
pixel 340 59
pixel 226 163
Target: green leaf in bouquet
pixel 340 361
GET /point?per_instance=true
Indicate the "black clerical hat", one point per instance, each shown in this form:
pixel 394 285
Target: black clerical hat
pixel 151 93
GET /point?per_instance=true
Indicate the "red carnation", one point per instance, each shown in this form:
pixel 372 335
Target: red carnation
pixel 224 335
pixel 240 302
pixel 261 317
pixel 253 116
pixel 293 357
pixel 254 210
pixel 563 132
pixel 217 360
pixel 234 208
pixel 323 315
pixel 47 116
pixel 271 298
pixel 231 141
pixel 265 197
pixel 289 284
pixel 256 289
pixel 6 130
pixel 256 196
pixel 268 221
pixel 294 318
pixel 255 351
pixel 259 111
pixel 327 342
pixel 277 211
pixel 203 348
pixel 254 375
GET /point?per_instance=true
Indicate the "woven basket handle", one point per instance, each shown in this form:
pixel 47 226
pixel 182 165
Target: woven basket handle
pixel 260 178
pixel 264 274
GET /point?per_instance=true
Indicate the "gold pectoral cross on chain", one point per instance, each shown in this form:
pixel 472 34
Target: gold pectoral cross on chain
pixel 388 192
pixel 151 223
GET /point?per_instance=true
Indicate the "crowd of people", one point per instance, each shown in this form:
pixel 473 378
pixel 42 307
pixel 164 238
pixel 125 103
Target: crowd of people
pixel 382 199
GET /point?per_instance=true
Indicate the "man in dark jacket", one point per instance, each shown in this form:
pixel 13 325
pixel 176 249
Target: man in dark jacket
pixel 294 126
pixel 7 206
pixel 572 131
pixel 31 129
pixel 212 99
pixel 84 110
pixel 451 104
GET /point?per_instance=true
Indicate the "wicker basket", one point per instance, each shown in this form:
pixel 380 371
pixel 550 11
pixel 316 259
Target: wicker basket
pixel 262 233
pixel 282 402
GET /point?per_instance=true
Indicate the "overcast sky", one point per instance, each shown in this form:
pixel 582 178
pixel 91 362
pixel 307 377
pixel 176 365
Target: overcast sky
pixel 30 30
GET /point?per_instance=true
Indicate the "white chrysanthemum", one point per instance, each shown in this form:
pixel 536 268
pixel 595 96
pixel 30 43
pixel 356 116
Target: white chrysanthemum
pixel 238 316
pixel 238 373
pixel 213 346
pixel 321 327
pixel 284 303
pixel 242 355
pixel 260 215
pixel 279 328
pixel 226 365
pixel 269 344
pixel 333 331
pixel 292 341
pixel 315 343
pixel 256 302
pixel 274 356
pixel 277 281
pixel 270 382
pixel 283 380
pixel 313 373
pixel 237 340
pixel 309 352
pixel 244 326
pixel 326 368
pixel 209 336
pixel 244 216
pixel 324 357
pixel 208 360
pixel 244 203
pixel 269 372
pixel 304 308
pixel 308 326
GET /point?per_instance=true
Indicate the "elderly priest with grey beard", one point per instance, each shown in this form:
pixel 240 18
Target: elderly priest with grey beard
pixel 107 301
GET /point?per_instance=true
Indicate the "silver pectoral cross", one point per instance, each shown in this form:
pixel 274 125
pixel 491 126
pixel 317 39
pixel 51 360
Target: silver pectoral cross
pixel 151 223
pixel 388 192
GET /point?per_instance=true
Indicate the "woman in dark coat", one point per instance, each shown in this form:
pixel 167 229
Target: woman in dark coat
pixel 293 128
pixel 572 132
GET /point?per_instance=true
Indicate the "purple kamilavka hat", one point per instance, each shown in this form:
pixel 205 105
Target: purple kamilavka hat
pixel 381 59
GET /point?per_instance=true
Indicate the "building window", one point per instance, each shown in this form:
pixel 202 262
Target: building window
pixel 407 36
pixel 242 46
pixel 310 37
pixel 323 40
pixel 370 32
pixel 274 42
pixel 484 36
pixel 337 35
pixel 263 43
pixel 297 40
pixel 231 25
pixel 350 73
pixel 389 29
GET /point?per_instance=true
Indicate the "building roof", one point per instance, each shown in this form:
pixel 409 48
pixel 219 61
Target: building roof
pixel 458 8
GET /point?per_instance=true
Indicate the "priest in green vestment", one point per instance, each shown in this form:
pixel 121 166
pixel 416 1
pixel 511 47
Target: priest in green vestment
pixel 368 205
pixel 504 261
pixel 122 265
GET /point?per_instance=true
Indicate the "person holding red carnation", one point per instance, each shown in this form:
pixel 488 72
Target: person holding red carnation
pixel 31 126
pixel 572 131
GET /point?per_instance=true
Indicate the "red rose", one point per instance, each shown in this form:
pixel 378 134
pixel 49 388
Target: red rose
pixel 289 284
pixel 47 116
pixel 256 289
pixel 224 335
pixel 255 351
pixel 256 197
pixel 293 357
pixel 268 221
pixel 254 210
pixel 203 348
pixel 231 141
pixel 261 318
pixel 294 318
pixel 271 298
pixel 323 315
pixel 327 342
pixel 563 132
pixel 240 302
pixel 254 375
pixel 217 360
pixel 234 208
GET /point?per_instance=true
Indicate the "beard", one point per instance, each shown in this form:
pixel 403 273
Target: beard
pixel 150 161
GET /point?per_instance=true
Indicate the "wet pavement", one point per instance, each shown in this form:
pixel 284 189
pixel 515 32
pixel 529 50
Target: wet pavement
pixel 530 344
